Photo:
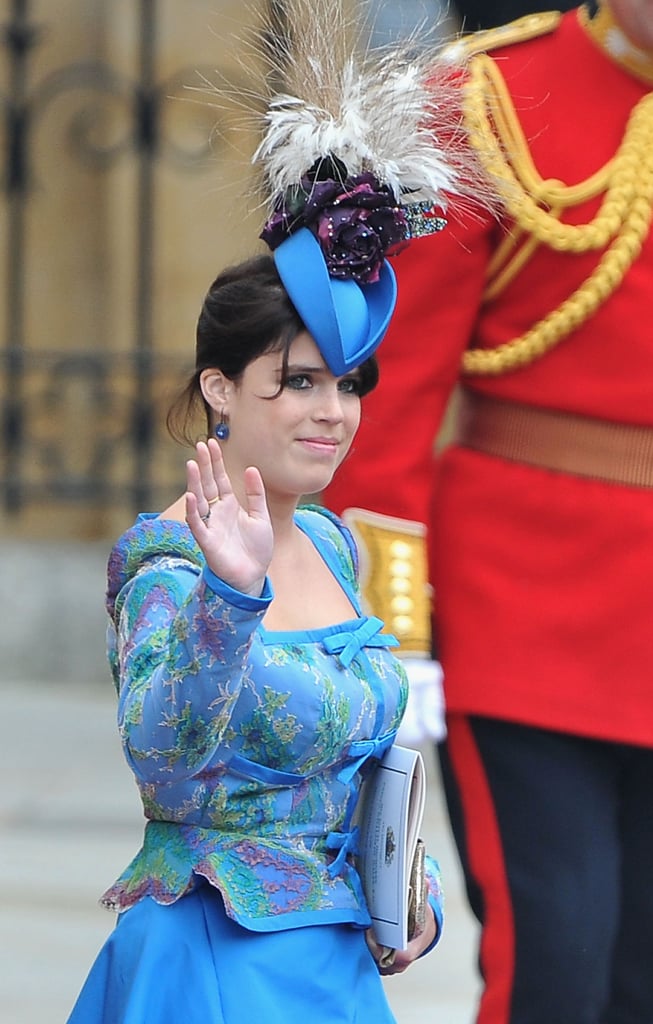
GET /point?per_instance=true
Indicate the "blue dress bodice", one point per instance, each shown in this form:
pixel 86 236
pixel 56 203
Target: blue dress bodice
pixel 248 746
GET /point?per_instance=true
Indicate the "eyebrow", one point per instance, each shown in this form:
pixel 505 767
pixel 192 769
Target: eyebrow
pixel 297 368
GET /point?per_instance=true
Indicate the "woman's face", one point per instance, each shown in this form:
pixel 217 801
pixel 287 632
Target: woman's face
pixel 298 438
pixel 636 19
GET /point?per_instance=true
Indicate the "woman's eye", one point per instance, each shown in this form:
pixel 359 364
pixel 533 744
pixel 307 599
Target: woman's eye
pixel 350 385
pixel 298 382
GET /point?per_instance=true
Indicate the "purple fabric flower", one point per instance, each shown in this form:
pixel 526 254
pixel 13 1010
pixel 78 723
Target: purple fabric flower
pixel 355 239
pixel 357 223
pixel 278 228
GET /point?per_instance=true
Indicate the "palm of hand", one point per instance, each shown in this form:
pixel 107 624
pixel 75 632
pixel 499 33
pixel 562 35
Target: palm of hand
pixel 236 541
pixel 237 546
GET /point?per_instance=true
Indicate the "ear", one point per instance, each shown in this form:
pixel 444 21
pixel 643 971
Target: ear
pixel 216 389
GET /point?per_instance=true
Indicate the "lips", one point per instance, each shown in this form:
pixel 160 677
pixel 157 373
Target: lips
pixel 325 445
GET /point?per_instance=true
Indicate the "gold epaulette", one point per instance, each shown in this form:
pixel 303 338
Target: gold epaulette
pixel 394 576
pixel 519 31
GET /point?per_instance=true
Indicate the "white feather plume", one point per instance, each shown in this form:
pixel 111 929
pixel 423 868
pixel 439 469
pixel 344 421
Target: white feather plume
pixel 394 112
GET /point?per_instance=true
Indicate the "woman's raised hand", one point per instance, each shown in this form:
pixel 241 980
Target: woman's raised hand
pixel 237 542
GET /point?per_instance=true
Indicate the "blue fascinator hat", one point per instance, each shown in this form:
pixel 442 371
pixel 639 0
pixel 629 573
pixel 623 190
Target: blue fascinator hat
pixel 347 319
pixel 331 235
pixel 352 170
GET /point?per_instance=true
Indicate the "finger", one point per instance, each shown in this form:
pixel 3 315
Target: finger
pixel 195 522
pixel 398 965
pixel 372 944
pixel 211 469
pixel 257 506
pixel 220 476
pixel 198 508
pixel 208 482
pixel 193 482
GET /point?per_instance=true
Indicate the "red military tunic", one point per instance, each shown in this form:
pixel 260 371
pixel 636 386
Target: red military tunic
pixel 543 580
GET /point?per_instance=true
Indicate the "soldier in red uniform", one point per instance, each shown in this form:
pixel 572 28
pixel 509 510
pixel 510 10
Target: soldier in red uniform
pixel 539 514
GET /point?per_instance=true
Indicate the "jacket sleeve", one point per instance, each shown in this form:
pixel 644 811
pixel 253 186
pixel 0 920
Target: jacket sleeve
pixel 182 639
pixel 435 898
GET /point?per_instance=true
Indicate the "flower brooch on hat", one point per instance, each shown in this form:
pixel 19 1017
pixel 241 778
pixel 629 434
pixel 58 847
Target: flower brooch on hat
pixel 357 220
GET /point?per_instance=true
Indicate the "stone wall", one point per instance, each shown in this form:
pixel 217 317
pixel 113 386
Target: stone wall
pixel 52 618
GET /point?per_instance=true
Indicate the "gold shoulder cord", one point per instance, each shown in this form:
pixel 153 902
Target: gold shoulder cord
pixel 619 227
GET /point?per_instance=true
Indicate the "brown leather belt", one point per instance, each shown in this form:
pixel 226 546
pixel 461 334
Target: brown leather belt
pixel 565 442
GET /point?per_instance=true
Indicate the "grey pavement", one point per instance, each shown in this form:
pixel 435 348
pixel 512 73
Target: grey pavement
pixel 70 820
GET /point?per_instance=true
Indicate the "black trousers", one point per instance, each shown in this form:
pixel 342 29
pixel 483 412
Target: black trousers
pixel 555 836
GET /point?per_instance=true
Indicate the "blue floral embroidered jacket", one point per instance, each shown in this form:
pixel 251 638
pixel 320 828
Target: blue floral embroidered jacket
pixel 248 746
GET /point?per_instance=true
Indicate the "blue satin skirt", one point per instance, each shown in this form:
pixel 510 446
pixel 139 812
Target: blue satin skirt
pixel 188 963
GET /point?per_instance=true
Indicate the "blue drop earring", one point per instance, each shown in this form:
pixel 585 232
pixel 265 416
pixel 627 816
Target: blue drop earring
pixel 222 428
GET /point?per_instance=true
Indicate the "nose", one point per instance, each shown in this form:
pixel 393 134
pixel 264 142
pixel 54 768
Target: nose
pixel 329 407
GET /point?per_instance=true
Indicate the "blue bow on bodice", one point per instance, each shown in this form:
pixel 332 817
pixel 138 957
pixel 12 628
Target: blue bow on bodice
pixel 348 643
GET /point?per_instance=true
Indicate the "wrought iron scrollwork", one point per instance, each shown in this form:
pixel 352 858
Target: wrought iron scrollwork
pixel 114 117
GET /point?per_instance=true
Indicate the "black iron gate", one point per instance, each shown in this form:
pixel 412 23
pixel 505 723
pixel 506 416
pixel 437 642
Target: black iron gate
pixel 114 460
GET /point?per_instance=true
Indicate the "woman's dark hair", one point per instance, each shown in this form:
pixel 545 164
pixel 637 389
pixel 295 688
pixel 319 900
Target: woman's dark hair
pixel 246 313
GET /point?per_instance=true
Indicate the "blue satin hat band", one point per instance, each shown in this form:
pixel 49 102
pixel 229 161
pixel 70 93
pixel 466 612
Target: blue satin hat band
pixel 347 320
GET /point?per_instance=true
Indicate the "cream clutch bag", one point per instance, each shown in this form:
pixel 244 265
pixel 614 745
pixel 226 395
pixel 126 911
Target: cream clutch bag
pixel 417 902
